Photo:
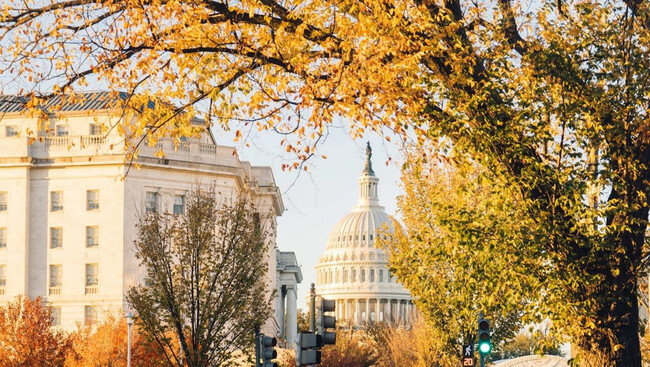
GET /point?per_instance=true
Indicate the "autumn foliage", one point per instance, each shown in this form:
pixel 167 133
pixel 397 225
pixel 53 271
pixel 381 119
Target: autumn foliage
pixel 106 344
pixel 27 337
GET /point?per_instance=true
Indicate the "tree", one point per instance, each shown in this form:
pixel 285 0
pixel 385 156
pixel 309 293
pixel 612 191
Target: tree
pixel 466 246
pixel 27 336
pixel 206 285
pixel 106 345
pixel 303 320
pixel 525 343
pixel 551 96
pixel 417 346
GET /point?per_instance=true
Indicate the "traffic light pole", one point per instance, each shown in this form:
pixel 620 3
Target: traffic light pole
pixel 257 346
pixel 482 356
pixel 312 308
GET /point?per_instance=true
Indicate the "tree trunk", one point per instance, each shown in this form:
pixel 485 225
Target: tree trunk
pixel 615 341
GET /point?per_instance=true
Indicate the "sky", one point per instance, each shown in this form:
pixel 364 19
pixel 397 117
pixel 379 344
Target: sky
pixel 317 199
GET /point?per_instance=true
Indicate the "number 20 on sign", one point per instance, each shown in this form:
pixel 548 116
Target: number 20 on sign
pixel 468 362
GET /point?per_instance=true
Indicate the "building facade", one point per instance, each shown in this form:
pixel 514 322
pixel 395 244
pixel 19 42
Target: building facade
pixel 68 208
pixel 354 272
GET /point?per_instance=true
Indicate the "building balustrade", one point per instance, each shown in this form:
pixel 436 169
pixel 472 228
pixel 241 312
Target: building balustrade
pixel 54 291
pixel 91 290
pixel 92 140
pixel 83 145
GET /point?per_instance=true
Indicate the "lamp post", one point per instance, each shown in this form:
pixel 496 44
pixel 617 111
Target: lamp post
pixel 129 323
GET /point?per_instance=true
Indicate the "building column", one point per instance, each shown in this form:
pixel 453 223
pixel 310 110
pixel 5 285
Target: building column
pixel 367 309
pixel 357 314
pixel 400 311
pixel 408 312
pixel 377 303
pixel 279 312
pixel 292 317
pixel 389 315
pixel 348 310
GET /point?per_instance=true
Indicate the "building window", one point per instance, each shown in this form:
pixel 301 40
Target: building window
pixel 381 275
pixel 179 205
pixel 345 275
pixel 55 315
pixel 3 201
pixel 372 275
pixel 151 202
pixel 371 237
pixel 95 129
pixel 56 276
pixel 3 275
pixel 363 275
pixel 92 199
pixel 56 201
pixel 3 237
pixel 92 236
pixel 354 275
pixel 11 131
pixel 62 130
pixel 90 314
pixel 56 237
pixel 91 275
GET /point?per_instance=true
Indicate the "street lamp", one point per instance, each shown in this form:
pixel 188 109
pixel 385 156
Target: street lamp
pixel 129 323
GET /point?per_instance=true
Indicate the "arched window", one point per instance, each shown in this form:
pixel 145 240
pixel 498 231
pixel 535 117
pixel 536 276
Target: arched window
pixel 381 275
pixel 345 275
pixel 372 275
pixel 363 275
pixel 354 275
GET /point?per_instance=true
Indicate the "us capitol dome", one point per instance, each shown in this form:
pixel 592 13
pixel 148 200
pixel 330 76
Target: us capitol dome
pixel 354 272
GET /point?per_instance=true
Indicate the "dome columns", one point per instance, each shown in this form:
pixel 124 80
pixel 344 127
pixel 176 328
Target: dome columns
pixel 357 311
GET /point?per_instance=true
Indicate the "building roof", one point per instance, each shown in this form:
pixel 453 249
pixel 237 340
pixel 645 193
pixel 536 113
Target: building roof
pixel 86 101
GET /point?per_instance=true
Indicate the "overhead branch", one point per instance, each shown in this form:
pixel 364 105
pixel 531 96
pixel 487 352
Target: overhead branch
pixel 511 30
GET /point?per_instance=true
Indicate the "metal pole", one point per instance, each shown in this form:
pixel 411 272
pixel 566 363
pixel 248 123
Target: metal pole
pixel 129 322
pixel 312 308
pixel 480 317
pixel 257 346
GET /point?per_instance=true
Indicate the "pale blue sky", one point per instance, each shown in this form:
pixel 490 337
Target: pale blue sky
pixel 318 198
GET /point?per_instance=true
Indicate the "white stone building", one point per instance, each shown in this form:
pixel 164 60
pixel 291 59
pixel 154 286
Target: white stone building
pixel 68 214
pixel 354 272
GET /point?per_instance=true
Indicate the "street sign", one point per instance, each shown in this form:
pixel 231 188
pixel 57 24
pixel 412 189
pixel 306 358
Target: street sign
pixel 468 355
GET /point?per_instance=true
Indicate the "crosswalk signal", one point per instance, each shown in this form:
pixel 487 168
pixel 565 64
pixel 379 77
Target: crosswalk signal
pixel 268 351
pixel 308 349
pixel 326 322
pixel 484 345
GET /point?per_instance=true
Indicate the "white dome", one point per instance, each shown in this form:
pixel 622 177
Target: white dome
pixel 359 228
pixel 353 271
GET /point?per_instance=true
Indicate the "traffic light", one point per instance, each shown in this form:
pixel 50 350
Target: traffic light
pixel 327 322
pixel 268 351
pixel 308 349
pixel 484 345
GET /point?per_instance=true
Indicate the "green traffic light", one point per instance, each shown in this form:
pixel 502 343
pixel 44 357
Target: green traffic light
pixel 484 348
